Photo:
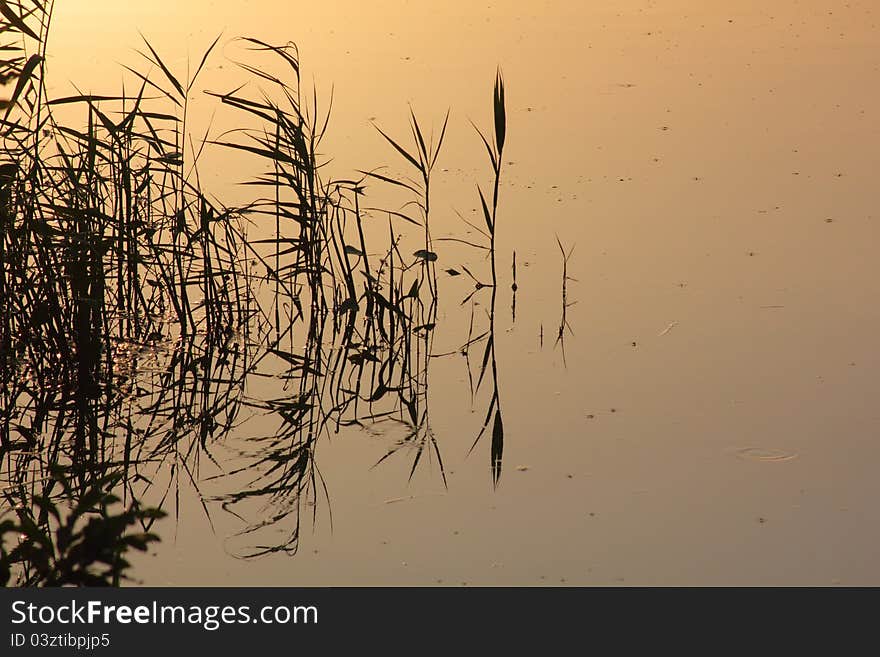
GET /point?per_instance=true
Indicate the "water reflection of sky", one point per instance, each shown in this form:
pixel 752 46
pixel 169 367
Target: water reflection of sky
pixel 694 158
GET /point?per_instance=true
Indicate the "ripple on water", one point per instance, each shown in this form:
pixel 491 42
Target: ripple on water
pixel 765 455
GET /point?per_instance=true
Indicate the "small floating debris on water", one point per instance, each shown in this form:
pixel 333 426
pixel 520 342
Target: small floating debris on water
pixel 765 455
pixel 522 468
pixel 408 498
pixel 671 326
pixel 394 500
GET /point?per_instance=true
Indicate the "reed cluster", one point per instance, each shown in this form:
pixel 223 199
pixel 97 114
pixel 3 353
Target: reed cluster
pixel 138 313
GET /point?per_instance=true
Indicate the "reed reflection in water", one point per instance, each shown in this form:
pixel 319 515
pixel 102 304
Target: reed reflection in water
pixel 139 317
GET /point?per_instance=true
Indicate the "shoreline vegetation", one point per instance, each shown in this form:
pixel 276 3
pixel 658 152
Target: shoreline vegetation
pixel 136 308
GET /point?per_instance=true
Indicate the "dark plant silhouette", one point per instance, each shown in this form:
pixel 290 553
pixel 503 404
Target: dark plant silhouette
pixel 138 311
pixel 73 537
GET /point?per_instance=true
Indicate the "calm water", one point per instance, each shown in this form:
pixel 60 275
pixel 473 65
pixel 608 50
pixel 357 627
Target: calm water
pixel 713 418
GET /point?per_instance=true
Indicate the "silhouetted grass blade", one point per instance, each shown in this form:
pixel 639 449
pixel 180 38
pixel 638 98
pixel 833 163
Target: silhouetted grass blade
pixel 486 214
pixel 17 21
pixel 158 61
pixel 497 450
pixel 500 113
pixel 202 62
pixel 399 149
pixel 23 79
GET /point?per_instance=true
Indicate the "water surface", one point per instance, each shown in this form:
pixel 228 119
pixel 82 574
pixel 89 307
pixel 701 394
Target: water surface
pixel 712 419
